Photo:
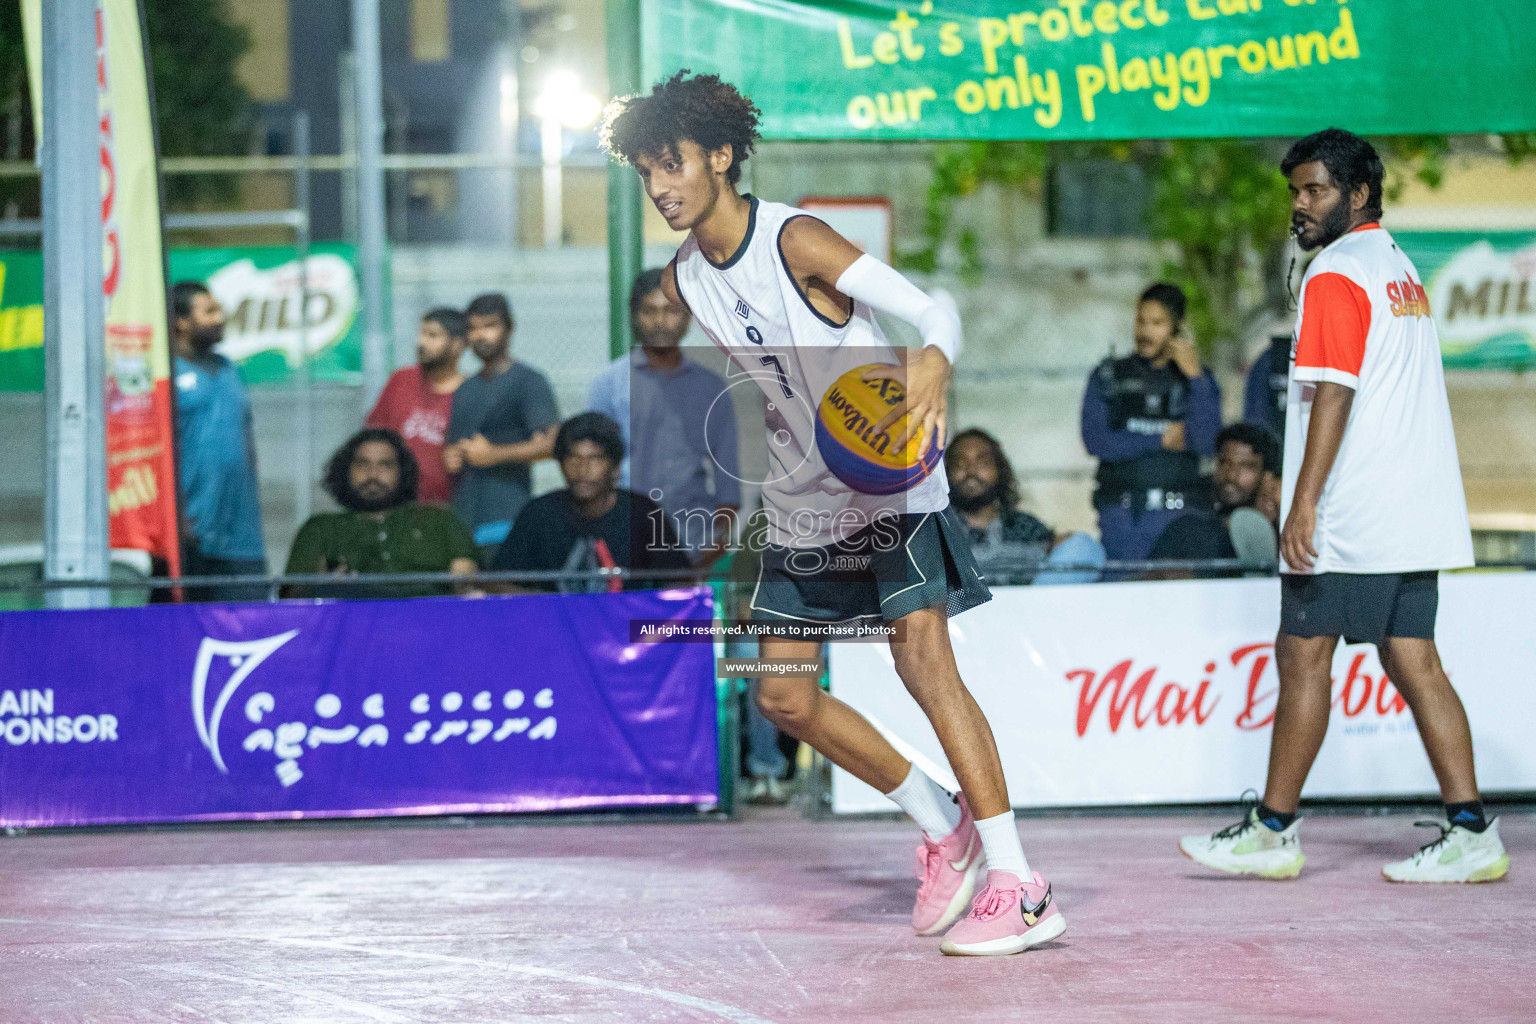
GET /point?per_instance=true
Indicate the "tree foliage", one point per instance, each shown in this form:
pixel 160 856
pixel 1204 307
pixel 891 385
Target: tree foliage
pixel 201 109
pixel 13 57
pixel 200 104
pixel 1221 203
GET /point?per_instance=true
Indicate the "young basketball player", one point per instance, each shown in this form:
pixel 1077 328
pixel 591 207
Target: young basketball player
pixel 786 297
pixel 1373 508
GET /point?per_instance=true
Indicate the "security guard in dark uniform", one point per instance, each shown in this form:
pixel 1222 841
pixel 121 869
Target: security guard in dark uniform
pixel 1268 381
pixel 1150 418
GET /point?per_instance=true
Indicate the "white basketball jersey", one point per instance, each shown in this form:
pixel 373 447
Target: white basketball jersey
pixel 1393 501
pixel 753 309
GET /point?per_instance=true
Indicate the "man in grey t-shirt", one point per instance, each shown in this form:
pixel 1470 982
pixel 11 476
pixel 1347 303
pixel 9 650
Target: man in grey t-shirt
pixel 504 419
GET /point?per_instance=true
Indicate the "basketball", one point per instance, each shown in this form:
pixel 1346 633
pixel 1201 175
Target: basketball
pixel 858 455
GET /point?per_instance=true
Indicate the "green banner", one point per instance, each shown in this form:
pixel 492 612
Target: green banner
pixel 1482 290
pixel 21 321
pixel 1109 69
pixel 259 290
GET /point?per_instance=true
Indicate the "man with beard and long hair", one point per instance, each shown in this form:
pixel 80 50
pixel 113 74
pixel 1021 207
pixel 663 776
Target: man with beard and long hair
pixel 383 529
pixel 418 399
pixel 1010 545
pixel 1373 507
pixel 216 452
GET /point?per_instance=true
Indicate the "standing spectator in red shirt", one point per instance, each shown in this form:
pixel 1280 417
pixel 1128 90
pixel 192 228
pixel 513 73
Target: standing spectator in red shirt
pixel 417 400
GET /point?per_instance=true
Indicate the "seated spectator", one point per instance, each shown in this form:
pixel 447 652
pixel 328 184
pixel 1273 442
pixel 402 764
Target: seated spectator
pixel 1269 381
pixel 592 523
pixel 418 399
pixel 1244 522
pixel 382 530
pixel 1010 545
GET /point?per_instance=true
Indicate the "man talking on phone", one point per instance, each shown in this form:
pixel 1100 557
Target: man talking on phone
pixel 1149 418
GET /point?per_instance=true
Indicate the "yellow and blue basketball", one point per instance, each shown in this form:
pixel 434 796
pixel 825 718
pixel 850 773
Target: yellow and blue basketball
pixel 859 456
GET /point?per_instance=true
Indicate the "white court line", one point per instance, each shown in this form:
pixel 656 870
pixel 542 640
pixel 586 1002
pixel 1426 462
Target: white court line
pixel 723 1010
pixel 780 964
pixel 192 1010
pixel 368 1010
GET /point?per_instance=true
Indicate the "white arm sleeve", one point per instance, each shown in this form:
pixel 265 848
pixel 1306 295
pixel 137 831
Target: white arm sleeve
pixel 879 286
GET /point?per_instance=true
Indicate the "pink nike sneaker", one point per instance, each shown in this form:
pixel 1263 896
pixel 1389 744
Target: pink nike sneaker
pixel 1009 917
pixel 947 871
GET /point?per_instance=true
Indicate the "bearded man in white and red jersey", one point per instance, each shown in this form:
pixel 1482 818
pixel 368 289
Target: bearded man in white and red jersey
pixel 1373 509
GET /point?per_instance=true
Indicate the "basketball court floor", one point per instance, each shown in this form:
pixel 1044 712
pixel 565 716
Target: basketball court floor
pixel 770 919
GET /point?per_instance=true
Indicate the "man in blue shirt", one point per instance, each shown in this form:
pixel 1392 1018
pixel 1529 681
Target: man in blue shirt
pixel 678 422
pixel 216 451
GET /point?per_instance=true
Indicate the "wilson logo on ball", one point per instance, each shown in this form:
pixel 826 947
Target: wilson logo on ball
pixel 856 453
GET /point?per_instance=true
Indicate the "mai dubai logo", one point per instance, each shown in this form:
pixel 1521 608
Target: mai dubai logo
pixel 244 657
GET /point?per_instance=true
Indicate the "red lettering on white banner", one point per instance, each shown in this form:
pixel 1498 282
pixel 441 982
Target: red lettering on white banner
pixel 1175 704
pixel 1254 700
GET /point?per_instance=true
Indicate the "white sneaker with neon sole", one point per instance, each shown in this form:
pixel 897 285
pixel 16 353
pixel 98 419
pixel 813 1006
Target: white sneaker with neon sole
pixel 1248 848
pixel 1459 855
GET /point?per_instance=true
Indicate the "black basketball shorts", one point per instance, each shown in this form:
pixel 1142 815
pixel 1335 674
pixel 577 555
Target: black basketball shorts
pixel 1363 608
pixel 891 568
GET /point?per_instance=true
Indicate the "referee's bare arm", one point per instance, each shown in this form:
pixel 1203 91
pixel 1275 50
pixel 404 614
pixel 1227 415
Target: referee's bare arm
pixel 1325 433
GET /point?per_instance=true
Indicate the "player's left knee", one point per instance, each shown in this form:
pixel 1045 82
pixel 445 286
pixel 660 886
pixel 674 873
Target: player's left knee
pixel 923 657
pixel 927 674
pixel 1412 658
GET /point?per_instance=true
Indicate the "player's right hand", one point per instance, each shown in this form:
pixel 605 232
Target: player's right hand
pixel 926 404
pixel 1296 539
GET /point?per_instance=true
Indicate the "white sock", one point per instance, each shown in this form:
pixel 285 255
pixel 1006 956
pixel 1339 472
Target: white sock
pixel 934 810
pixel 1000 840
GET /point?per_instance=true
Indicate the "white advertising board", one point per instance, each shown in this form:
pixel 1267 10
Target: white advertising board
pixel 863 220
pixel 1134 693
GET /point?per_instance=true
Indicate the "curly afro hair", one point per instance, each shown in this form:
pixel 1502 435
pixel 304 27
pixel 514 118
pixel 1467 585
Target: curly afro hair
pixel 699 108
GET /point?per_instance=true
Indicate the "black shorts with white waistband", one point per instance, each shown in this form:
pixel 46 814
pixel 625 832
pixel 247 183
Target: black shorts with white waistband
pixel 1363 608
pixel 897 565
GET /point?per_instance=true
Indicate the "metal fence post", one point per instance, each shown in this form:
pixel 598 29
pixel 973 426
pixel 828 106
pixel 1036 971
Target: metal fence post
pixel 75 531
pixel 303 494
pixel 371 243
pixel 626 236
pixel 347 88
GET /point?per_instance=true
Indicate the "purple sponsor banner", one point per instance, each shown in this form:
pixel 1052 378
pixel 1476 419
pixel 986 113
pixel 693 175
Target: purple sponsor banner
pixel 209 712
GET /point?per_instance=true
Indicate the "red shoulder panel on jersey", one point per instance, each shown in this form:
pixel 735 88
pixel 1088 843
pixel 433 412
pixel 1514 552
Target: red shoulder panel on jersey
pixel 1335 320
